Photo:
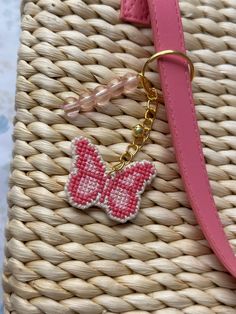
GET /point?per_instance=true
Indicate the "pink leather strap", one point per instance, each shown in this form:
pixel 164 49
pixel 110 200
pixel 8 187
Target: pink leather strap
pixel 168 34
pixel 135 11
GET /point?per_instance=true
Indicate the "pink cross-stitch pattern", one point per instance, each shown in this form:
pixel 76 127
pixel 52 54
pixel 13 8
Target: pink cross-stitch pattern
pixel 118 193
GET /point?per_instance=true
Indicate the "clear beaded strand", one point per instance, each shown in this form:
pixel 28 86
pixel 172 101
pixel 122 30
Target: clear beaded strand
pixel 101 95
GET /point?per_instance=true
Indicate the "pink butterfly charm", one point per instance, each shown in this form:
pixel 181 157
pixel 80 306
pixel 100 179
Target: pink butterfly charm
pixel 118 193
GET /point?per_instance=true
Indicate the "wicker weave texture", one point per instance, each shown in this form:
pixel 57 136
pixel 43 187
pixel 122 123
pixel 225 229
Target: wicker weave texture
pixel 61 260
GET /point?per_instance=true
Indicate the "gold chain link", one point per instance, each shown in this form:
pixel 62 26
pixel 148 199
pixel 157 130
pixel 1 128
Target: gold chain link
pixel 141 131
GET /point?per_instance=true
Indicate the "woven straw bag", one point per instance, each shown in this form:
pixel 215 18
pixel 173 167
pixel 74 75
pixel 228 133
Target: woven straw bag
pixel 60 260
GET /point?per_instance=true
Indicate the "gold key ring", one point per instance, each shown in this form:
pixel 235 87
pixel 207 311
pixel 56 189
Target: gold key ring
pixel 146 84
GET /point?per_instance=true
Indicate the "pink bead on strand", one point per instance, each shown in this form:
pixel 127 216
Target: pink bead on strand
pixel 131 82
pixel 71 107
pixel 102 95
pixel 87 101
pixel 126 83
pixel 116 86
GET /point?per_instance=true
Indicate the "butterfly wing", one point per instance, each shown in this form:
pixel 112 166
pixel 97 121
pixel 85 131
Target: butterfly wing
pixel 87 176
pixel 123 192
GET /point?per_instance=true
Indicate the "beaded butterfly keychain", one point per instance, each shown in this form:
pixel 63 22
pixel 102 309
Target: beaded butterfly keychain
pixel 119 190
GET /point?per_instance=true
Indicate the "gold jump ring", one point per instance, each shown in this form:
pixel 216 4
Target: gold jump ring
pixel 145 82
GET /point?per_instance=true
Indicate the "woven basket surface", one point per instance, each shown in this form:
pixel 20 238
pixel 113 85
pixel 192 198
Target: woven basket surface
pixel 60 260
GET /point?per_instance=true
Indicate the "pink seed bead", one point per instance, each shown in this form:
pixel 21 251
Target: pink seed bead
pixel 87 101
pixel 116 87
pixel 131 82
pixel 71 107
pixel 102 95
